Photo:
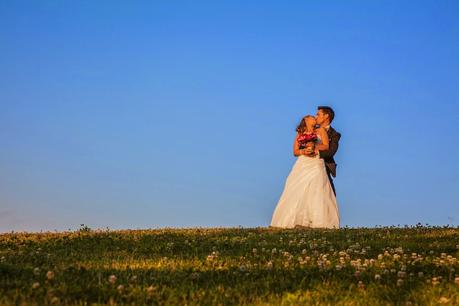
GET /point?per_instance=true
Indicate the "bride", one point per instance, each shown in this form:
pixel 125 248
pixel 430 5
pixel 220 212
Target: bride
pixel 308 199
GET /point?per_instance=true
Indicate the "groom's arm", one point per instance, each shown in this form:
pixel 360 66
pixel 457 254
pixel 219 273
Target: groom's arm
pixel 332 146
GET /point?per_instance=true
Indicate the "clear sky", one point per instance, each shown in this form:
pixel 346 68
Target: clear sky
pixel 146 114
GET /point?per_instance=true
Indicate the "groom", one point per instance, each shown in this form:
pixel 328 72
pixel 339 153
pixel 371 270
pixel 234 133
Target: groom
pixel 324 118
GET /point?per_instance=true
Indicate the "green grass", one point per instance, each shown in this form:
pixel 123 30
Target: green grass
pixel 210 266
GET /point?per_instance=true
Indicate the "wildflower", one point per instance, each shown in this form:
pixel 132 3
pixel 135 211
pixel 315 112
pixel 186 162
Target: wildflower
pixel 443 300
pixel 456 280
pixel 50 275
pixel 399 282
pixel 435 281
pixel 338 267
pixel 150 289
pixel 55 300
pixel 112 279
pixel 36 271
pixel 361 285
pixel 242 268
pixel 254 251
pixel 120 288
pixel 35 285
pixel 401 274
pixel 194 275
pixel 269 265
pixel 303 251
pixel 273 251
pixel 377 277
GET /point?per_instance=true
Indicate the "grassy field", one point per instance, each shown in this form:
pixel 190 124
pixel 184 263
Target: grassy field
pixel 210 266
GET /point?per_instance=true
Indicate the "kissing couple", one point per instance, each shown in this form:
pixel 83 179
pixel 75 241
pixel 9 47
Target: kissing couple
pixel 309 197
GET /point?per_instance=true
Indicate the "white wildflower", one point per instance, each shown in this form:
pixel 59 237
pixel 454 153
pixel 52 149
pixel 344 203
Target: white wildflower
pixel 112 279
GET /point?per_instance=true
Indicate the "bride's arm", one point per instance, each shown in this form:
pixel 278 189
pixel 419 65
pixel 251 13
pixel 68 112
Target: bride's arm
pixel 296 149
pixel 323 135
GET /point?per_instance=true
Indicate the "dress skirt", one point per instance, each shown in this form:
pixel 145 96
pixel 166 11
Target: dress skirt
pixel 307 199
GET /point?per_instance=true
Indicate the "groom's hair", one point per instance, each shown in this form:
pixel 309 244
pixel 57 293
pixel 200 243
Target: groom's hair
pixel 327 110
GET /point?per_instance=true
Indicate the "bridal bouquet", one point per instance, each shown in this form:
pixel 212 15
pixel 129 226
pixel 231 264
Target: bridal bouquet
pixel 308 141
pixel 304 139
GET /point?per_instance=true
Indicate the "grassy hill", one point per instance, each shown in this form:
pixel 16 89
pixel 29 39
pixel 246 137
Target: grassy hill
pixel 211 266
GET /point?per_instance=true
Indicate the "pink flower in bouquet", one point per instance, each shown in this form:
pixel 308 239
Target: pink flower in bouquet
pixel 305 138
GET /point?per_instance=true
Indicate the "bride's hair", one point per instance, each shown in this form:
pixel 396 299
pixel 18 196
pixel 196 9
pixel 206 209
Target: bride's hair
pixel 302 125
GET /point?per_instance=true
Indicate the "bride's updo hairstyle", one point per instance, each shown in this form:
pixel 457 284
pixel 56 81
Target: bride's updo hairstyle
pixel 302 126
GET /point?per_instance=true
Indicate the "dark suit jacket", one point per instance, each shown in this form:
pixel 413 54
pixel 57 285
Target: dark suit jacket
pixel 333 140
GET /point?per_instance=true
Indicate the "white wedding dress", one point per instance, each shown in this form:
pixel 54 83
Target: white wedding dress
pixel 308 199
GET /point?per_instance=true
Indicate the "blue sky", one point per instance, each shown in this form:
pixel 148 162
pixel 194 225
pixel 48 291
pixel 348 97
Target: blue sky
pixel 146 114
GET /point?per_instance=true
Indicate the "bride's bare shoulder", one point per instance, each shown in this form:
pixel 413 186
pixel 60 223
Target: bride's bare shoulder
pixel 320 130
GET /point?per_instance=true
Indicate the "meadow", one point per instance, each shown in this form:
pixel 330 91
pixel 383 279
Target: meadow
pixel 415 265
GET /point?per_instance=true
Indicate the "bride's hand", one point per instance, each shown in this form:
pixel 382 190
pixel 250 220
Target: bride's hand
pixel 308 151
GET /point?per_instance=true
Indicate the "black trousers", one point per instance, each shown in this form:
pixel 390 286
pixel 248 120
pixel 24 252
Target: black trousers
pixel 331 181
